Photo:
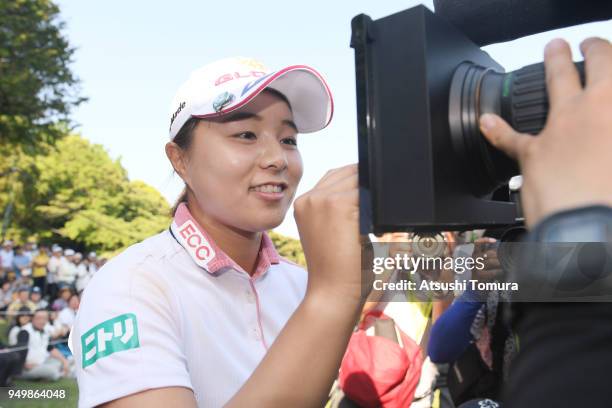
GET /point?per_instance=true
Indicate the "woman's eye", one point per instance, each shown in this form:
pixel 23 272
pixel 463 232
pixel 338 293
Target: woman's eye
pixel 290 141
pixel 246 135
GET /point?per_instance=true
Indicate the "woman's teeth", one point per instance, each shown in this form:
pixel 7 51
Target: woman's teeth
pixel 268 188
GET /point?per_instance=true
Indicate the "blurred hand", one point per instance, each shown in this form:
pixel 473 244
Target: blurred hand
pixel 328 222
pixel 493 268
pixel 568 164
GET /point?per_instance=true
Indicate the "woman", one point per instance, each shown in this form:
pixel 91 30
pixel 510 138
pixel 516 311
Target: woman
pixel 6 295
pixel 24 317
pixel 67 315
pixel 39 269
pixel 207 313
pixel 13 357
pixel 61 302
pixel 472 334
pixel 83 273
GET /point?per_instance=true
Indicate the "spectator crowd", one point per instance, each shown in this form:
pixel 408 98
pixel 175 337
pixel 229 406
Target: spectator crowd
pixel 40 293
pixel 40 288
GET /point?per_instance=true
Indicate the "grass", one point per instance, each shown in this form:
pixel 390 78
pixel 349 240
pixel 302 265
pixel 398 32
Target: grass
pixel 66 384
pixel 3 333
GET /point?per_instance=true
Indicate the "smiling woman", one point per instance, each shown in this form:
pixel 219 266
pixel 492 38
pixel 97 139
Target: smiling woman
pixel 207 313
pixel 247 160
pixel 184 138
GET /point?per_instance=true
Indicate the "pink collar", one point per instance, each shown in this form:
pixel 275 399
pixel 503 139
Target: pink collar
pixel 206 254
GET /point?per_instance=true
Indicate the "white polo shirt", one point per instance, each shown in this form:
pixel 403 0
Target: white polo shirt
pixel 38 342
pixel 174 310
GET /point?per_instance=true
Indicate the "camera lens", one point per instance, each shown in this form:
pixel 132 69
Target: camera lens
pixel 519 97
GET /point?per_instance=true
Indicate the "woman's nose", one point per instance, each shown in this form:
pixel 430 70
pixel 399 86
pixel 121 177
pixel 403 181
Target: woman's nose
pixel 273 155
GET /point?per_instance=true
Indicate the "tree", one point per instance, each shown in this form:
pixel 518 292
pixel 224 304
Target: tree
pixel 288 247
pixel 37 87
pixel 74 193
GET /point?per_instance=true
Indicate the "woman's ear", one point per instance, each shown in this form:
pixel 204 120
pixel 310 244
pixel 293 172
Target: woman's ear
pixel 178 158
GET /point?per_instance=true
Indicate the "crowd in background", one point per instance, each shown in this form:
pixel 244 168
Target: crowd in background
pixel 40 288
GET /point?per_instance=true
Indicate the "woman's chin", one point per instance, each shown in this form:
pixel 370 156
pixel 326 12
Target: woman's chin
pixel 269 225
pixel 266 223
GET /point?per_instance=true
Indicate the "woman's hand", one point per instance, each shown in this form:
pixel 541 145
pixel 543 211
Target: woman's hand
pixel 328 221
pixel 315 338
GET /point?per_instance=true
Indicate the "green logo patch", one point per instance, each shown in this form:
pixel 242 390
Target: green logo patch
pixel 116 334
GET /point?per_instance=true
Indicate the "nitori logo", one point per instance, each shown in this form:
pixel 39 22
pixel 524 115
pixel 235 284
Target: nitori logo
pixel 113 335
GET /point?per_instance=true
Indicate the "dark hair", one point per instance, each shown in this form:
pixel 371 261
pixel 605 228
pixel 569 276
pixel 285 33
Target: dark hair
pixel 184 138
pixel 23 311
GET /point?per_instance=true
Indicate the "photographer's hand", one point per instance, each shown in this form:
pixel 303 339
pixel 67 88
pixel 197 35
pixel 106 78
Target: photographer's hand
pixel 569 163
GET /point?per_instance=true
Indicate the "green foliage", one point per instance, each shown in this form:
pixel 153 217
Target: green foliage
pixel 61 188
pixel 52 186
pixel 288 247
pixel 74 193
pixel 37 87
pixel 4 327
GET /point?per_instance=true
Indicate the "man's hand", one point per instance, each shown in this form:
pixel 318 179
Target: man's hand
pixel 55 353
pixel 66 368
pixel 569 164
pixel 492 267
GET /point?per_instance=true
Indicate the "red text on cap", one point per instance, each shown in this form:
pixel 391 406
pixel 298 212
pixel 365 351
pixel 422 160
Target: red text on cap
pixel 237 75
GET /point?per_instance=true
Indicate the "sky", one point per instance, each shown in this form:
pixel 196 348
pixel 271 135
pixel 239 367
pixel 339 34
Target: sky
pixel 133 55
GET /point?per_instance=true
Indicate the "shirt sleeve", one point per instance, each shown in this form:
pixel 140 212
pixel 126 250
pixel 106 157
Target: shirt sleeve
pixel 22 339
pixel 451 335
pixel 564 358
pixel 12 337
pixel 564 354
pixel 62 319
pixel 126 337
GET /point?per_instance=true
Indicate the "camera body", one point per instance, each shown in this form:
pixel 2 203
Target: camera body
pixel 410 175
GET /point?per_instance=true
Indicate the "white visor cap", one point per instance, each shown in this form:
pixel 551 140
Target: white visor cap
pixel 229 84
